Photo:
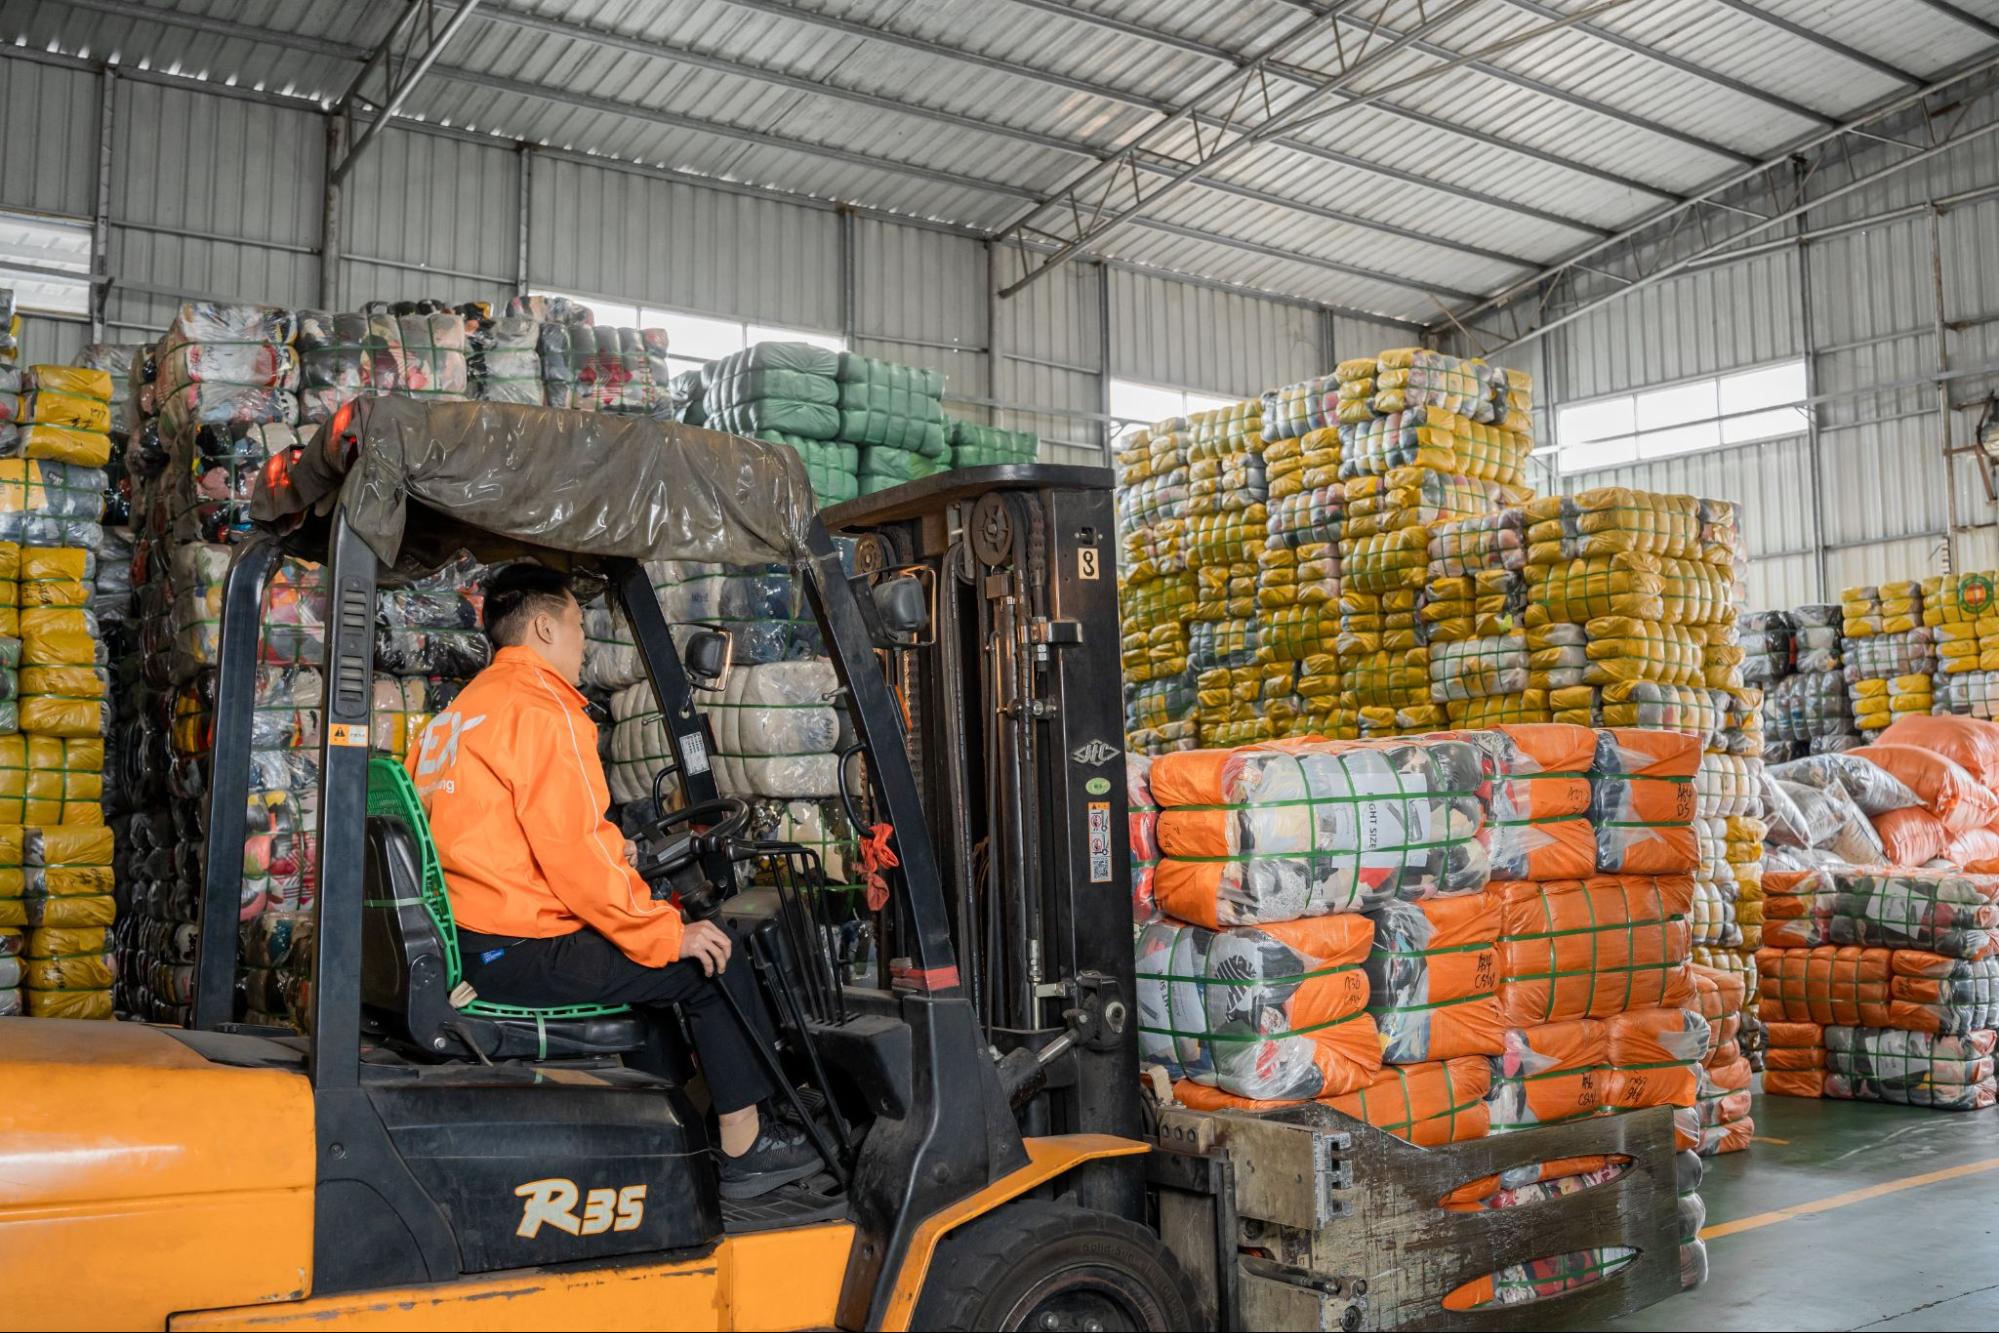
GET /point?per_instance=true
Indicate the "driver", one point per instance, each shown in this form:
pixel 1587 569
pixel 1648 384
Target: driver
pixel 549 909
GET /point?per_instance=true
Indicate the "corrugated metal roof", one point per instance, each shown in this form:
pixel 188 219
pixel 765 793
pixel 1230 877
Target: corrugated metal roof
pixel 1488 145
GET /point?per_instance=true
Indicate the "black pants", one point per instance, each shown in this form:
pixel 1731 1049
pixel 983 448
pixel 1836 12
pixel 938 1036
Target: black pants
pixel 586 968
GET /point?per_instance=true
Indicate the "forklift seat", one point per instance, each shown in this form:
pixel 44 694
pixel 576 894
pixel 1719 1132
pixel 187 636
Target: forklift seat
pixel 409 953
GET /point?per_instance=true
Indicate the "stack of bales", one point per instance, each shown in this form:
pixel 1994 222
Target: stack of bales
pixel 1796 658
pixel 1298 587
pixel 58 852
pixel 1881 985
pixel 789 393
pixel 1155 586
pixel 893 416
pixel 1481 670
pixel 973 445
pixel 1890 654
pixel 217 398
pixel 1425 439
pixel 1961 611
pixel 1228 520
pixel 1344 957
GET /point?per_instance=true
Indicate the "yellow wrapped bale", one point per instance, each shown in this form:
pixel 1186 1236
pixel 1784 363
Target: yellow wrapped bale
pixel 50 780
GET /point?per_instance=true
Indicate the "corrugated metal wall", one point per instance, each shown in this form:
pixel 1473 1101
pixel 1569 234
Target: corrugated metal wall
pixel 1167 332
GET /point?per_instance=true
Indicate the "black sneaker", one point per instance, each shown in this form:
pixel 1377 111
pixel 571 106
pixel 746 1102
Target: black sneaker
pixel 780 1155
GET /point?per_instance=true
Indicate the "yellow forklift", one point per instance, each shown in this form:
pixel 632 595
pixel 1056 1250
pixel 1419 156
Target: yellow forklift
pixel 419 1158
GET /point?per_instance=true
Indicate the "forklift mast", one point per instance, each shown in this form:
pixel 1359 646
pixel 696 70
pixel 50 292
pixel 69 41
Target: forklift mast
pixel 1016 737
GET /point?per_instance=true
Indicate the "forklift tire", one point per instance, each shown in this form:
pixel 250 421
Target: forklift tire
pixel 1037 1265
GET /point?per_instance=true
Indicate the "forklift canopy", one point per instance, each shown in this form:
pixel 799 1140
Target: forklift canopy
pixel 589 484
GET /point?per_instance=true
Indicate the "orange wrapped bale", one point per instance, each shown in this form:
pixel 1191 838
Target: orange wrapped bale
pixel 1594 947
pixel 1794 1082
pixel 1971 743
pixel 1910 837
pixel 1953 795
pixel 1428 1104
pixel 1972 847
pixel 1654 1055
pixel 1539 798
pixel 1793 1047
pixel 1727 1136
pixel 1433 978
pixel 1276 1012
pixel 1642 801
pixel 1550 1072
pixel 1488 1192
pixel 1718 994
pixel 1829 984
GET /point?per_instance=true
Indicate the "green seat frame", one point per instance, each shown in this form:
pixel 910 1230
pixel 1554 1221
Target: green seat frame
pixel 392 795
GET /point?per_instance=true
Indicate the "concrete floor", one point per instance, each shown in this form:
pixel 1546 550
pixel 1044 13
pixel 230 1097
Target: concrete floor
pixel 1925 1256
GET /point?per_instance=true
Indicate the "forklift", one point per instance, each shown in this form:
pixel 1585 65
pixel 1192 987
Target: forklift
pixel 417 1157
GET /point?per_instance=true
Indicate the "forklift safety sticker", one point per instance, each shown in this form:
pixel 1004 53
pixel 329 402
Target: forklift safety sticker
pixel 552 1202
pixel 1089 565
pixel 1100 842
pixel 696 751
pixel 348 733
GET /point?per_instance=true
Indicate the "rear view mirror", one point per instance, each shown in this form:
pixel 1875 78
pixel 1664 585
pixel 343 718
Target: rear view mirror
pixel 899 605
pixel 707 655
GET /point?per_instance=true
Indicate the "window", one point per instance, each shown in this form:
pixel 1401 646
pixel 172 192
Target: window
pixel 45 244
pixel 1134 404
pixel 694 339
pixel 1742 408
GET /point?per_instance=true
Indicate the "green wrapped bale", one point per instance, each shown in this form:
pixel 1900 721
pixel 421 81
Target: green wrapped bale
pixel 830 465
pixel 888 405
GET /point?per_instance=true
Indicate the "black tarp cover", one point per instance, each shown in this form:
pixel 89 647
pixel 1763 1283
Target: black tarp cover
pixel 590 484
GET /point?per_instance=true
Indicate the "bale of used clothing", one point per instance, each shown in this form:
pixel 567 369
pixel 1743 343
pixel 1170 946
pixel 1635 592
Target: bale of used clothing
pixel 65 685
pixel 1887 608
pixel 1589 948
pixel 891 406
pixel 220 363
pixel 1642 801
pixel 1888 675
pixel 1725 1071
pixel 1433 975
pixel 1947 790
pixel 1292 829
pixel 1142 833
pixel 1538 800
pixel 1655 1054
pixel 1948 1073
pixel 1548 1073
pixel 1794 1055
pixel 1857 986
pixel 1943 912
pixel 776 732
pixel 502 361
pixel 973 445
pixel 1276 1012
pixel 68 972
pixel 625 371
pixel 1817 638
pixel 1430 1104
pixel 791 388
pixel 880 467
pixel 1299 409
pixel 1767 637
pixel 51 780
pixel 434 625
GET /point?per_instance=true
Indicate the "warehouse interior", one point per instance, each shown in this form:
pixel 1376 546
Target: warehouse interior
pixel 1715 281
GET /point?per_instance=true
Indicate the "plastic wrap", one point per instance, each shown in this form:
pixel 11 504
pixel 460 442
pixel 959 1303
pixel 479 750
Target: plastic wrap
pixel 1428 1104
pixel 1270 1013
pixel 1301 829
pixel 1593 947
pixel 1872 987
pixel 1548 1073
pixel 1947 790
pixel 1538 798
pixel 775 726
pixel 1142 828
pixel 1642 801
pixel 1937 911
pixel 1952 1073
pixel 1432 978
pixel 432 627
pixel 503 364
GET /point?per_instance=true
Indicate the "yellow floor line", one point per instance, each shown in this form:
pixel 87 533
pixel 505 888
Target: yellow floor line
pixel 1721 1229
pixel 1761 1138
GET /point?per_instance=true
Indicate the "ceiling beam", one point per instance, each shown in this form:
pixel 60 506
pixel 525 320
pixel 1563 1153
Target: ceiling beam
pixel 1155 165
pixel 1819 39
pixel 1965 16
pixel 1549 90
pixel 399 93
pixel 833 23
pixel 1702 72
pixel 1304 78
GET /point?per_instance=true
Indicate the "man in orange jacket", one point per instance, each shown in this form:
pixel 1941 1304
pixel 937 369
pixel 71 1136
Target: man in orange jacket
pixel 548 907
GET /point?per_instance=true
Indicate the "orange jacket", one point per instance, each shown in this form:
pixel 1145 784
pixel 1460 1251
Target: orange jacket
pixel 510 778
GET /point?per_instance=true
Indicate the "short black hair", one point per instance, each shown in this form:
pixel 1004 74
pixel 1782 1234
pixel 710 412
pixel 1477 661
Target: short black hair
pixel 517 594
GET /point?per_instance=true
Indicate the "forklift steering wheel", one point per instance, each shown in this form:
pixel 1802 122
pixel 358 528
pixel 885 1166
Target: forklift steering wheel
pixel 671 850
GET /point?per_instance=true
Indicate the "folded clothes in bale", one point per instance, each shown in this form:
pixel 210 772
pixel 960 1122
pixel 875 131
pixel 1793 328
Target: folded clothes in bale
pixel 973 445
pixel 776 733
pixel 1432 1104
pixel 1276 1012
pixel 1642 801
pixel 1297 829
pixel 1593 947
pixel 891 406
pixel 1943 912
pixel 1875 609
pixel 1873 987
pixel 1433 975
pixel 1794 1055
pixel 792 388
pixel 1949 1073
